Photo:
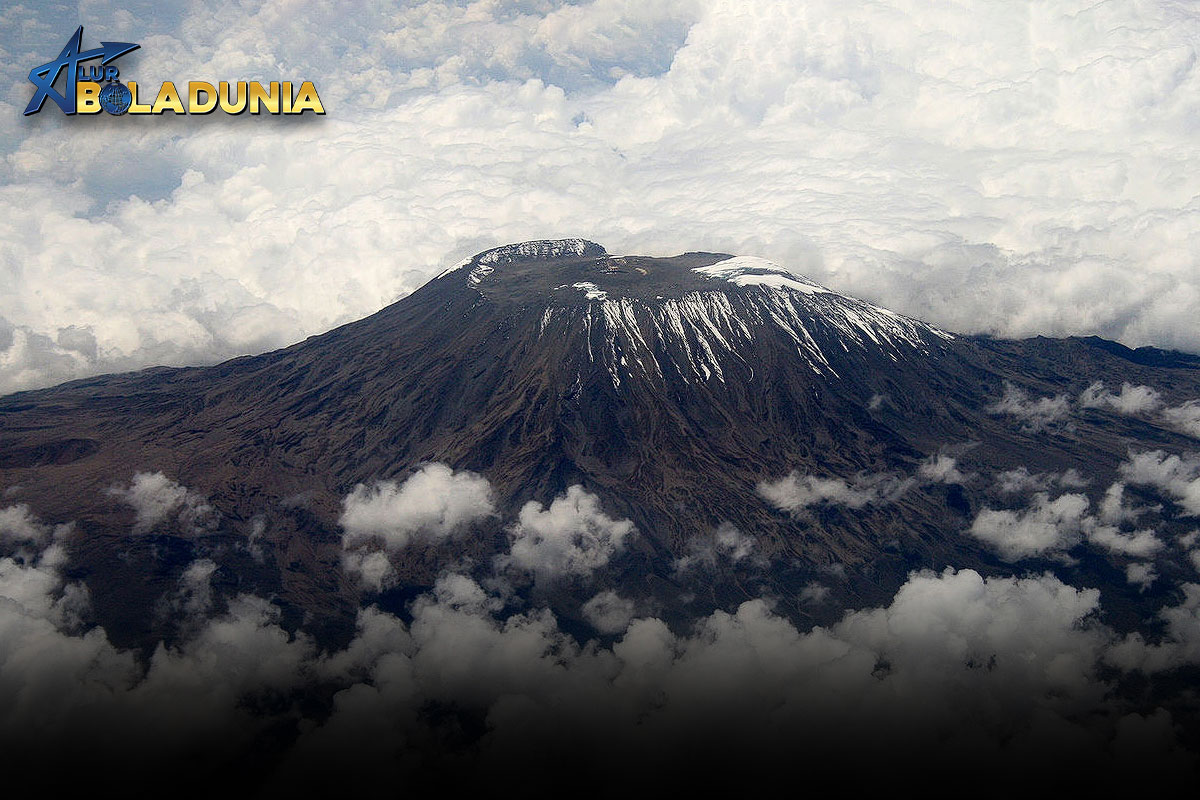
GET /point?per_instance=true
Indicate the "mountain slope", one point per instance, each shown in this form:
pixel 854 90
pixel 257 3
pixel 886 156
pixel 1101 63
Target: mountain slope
pixel 671 388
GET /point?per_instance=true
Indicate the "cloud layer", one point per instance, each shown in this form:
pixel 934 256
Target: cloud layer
pixel 1004 663
pixel 1014 171
pixel 958 669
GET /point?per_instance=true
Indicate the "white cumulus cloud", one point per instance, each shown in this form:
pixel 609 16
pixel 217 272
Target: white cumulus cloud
pixel 1184 417
pixel 609 612
pixel 1050 527
pixel 1045 527
pixel 993 660
pixel 20 527
pixel 372 568
pixel 434 504
pixel 573 536
pixel 1177 477
pixel 1015 481
pixel 1131 400
pixel 1035 414
pixel 795 491
pixel 1180 646
pixel 156 499
pixel 723 544
pixel 941 468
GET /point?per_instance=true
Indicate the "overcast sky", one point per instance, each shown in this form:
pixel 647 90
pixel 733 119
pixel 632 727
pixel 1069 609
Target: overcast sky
pixel 1003 167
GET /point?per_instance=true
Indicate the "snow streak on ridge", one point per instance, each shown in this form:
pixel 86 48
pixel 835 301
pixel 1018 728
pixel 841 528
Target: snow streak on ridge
pixel 704 332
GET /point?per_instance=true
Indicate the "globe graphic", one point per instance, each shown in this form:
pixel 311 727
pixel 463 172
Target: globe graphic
pixel 115 98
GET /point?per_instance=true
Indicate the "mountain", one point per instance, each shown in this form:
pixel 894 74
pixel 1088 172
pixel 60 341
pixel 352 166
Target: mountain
pixel 682 392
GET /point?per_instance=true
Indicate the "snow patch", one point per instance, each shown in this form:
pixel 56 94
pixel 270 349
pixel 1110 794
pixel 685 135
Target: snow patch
pixel 753 271
pixel 590 290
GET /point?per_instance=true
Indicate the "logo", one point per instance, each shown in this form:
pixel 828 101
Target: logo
pixel 92 88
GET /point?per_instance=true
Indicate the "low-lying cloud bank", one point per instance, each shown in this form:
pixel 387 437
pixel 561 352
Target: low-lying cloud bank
pixel 958 671
pixel 995 661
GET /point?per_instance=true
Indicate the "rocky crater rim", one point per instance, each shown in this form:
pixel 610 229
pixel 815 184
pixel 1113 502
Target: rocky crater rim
pixel 586 269
pixel 540 250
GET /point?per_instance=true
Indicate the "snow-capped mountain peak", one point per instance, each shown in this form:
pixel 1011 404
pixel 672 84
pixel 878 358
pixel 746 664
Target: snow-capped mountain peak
pixel 697 317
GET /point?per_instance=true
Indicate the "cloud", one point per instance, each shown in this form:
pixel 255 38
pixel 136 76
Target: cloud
pixel 371 568
pixel 984 658
pixel 1035 415
pixel 254 541
pixel 157 499
pixel 194 597
pixel 19 527
pixel 1051 527
pixel 50 677
pixel 608 612
pixel 796 492
pixel 573 536
pixel 37 587
pixel 1019 480
pixel 1184 417
pixel 1104 529
pixel 992 660
pixel 1177 477
pixel 1179 646
pixel 723 544
pixel 434 504
pixel 67 688
pixel 1044 528
pixel 825 130
pixel 960 617
pixel 1131 400
pixel 1139 544
pixel 1113 509
pixel 940 469
pixel 1141 575
pixel 814 592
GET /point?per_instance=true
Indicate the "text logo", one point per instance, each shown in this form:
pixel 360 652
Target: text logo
pixel 92 88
